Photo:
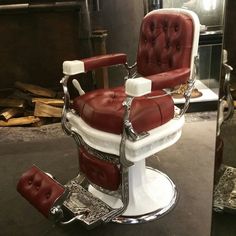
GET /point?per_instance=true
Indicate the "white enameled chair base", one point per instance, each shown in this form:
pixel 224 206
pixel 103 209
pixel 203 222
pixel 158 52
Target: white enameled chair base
pixel 157 140
pixel 151 195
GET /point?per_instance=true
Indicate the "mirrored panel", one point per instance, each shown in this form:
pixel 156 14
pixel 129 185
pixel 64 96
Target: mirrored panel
pixel 211 13
pixel 224 193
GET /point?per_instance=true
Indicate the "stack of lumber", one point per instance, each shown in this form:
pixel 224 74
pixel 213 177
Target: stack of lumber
pixel 30 105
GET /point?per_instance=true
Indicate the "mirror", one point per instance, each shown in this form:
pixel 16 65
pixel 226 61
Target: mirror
pixel 224 199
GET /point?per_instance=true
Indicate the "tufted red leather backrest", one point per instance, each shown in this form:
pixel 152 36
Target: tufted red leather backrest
pixel 165 42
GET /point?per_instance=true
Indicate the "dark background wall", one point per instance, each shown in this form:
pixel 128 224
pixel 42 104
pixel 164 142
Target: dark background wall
pixel 122 20
pixel 34 44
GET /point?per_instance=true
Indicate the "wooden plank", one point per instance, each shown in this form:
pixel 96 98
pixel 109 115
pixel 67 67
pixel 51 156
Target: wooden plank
pixel 8 113
pixel 42 121
pixel 12 102
pixel 19 121
pixel 44 110
pixel 18 94
pixel 35 89
pixel 226 104
pixel 28 112
pixel 49 101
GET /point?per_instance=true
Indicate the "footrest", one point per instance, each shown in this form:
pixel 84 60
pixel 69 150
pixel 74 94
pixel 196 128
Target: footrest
pixel 40 190
pixel 86 208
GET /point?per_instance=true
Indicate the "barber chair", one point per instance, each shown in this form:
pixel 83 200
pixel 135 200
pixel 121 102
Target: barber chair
pixel 116 129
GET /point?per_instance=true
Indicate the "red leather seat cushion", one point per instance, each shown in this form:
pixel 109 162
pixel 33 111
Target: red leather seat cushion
pixel 102 109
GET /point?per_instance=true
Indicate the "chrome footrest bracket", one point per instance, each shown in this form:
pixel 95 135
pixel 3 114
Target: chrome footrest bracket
pixel 87 208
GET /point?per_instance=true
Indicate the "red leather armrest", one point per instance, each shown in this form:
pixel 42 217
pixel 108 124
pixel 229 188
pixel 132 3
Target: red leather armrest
pixel 39 189
pixel 92 63
pixel 169 79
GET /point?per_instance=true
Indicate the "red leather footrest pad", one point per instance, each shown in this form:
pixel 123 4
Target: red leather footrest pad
pixel 39 189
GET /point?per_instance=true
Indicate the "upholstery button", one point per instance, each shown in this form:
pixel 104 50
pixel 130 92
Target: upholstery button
pixel 165 26
pixel 178 47
pixel 144 39
pixel 153 41
pixel 167 45
pixel 29 182
pixel 152 26
pixel 37 187
pixel 176 28
pixel 48 195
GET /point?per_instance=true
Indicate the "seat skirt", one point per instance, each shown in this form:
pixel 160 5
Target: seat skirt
pixel 157 140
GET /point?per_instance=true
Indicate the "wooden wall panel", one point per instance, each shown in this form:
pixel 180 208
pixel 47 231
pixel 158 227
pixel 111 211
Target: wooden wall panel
pixel 33 46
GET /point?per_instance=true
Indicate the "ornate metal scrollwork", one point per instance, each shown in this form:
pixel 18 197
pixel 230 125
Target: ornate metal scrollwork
pixel 190 83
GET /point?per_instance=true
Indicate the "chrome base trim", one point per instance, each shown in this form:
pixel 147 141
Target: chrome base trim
pixel 155 214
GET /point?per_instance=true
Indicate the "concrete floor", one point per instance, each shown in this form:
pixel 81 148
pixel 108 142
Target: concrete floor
pixel 189 163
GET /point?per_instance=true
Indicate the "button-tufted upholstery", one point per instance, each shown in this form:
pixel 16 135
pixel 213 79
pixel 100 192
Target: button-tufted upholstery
pixel 99 172
pixel 165 43
pixel 39 189
pixel 102 109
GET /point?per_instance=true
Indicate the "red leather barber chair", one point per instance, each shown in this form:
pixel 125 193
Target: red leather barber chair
pixel 117 129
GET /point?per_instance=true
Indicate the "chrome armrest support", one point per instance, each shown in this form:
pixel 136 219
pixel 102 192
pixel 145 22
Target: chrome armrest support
pixel 65 127
pixel 66 108
pixel 129 131
pixel 190 83
pixel 130 72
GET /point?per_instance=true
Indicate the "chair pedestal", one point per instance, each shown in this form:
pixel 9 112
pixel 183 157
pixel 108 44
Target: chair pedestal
pixel 151 194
